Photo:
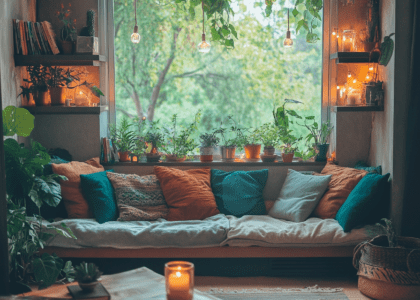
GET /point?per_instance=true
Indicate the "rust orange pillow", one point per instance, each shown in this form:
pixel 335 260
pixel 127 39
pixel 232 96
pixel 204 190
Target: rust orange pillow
pixel 343 181
pixel 76 205
pixel 188 193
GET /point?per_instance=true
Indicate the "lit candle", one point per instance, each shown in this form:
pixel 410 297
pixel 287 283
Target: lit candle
pixel 179 286
pixel 179 280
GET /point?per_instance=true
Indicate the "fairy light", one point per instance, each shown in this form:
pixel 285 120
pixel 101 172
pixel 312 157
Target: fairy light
pixel 354 80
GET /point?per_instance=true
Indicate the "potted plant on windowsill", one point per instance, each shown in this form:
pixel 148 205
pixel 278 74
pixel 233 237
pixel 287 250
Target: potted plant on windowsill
pixel 58 81
pixel 233 138
pixel 208 142
pixel 319 135
pixel 68 32
pixel 252 147
pixel 289 145
pixel 269 135
pixel 179 142
pixel 87 276
pixel 123 138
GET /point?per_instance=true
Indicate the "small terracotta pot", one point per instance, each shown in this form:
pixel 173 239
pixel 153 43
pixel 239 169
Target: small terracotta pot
pixel 41 98
pixel 175 158
pixel 67 47
pixel 58 96
pixel 124 156
pixel 252 151
pixel 88 287
pixel 269 150
pixel 287 157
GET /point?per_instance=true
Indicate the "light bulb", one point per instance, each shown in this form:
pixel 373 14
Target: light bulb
pixel 370 68
pixel 338 87
pixel 135 37
pixel 349 75
pixel 354 80
pixel 288 42
pixel 204 46
pixel 367 77
pixel 335 31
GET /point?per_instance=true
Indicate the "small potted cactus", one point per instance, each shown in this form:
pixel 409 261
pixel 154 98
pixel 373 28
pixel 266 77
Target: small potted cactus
pixel 87 275
pixel 87 43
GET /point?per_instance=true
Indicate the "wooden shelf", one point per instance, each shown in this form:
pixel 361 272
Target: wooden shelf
pixel 354 57
pixel 59 60
pixel 65 110
pixel 356 108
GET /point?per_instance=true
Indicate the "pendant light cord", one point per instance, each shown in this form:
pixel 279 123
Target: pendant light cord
pixel 287 19
pixel 135 11
pixel 202 7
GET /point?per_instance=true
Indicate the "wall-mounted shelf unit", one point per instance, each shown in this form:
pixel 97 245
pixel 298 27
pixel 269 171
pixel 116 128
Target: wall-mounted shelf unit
pixel 354 57
pixel 356 108
pixel 59 60
pixel 64 110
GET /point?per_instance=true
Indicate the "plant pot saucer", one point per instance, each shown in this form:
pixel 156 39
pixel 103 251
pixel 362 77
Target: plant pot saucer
pixel 268 158
pixel 252 159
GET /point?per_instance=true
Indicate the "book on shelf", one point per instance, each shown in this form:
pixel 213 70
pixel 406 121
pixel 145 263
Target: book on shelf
pixel 98 293
pixel 33 38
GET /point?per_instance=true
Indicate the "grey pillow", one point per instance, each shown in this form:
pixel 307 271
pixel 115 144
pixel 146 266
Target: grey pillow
pixel 299 196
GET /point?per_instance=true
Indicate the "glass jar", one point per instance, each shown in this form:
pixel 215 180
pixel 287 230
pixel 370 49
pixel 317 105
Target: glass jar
pixel 179 280
pixel 354 98
pixel 348 43
pixel 81 96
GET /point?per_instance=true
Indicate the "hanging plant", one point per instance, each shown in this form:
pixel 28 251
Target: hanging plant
pixel 219 12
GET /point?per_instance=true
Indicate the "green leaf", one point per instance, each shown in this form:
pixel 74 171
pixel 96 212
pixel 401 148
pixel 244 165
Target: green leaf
pixel 17 121
pixel 310 118
pixel 45 270
pixel 69 272
pixel 232 29
pixel 295 12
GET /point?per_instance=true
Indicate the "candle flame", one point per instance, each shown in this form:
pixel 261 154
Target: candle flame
pixel 178 274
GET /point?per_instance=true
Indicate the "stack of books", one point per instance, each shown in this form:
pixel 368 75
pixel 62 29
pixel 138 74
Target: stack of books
pixel 109 153
pixel 34 38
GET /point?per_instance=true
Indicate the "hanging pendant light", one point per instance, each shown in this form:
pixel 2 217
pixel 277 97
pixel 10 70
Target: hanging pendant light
pixel 135 37
pixel 288 42
pixel 204 46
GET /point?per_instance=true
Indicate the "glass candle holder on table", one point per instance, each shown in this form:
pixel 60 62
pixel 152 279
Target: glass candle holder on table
pixel 348 43
pixel 179 280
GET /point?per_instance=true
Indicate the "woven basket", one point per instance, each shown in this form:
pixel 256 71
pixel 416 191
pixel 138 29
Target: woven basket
pixel 388 273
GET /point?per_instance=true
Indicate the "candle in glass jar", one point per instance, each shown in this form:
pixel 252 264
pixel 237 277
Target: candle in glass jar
pixel 179 286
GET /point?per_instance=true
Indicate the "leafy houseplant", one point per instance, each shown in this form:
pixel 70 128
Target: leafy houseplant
pixel 388 265
pixel 123 138
pixel 58 79
pixel 319 135
pixel 180 142
pixel 208 142
pixel 38 77
pixel 25 182
pixel 68 31
pixel 269 135
pixel 251 146
pixel 289 145
pixel 87 275
pixel 232 137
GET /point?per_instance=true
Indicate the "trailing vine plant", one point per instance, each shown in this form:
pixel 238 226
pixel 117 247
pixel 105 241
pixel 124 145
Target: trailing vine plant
pixel 219 12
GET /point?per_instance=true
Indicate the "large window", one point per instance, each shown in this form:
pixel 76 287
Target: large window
pixel 165 74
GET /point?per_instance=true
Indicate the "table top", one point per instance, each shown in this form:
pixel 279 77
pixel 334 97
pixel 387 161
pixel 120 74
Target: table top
pixel 127 285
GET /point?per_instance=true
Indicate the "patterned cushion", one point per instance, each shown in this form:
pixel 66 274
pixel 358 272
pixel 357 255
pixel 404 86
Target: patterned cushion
pixel 139 198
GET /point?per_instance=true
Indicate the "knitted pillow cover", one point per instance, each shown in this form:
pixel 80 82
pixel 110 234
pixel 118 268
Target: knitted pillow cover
pixel 139 198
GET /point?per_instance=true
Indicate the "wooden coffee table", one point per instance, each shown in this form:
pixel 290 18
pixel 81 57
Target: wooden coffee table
pixel 136 284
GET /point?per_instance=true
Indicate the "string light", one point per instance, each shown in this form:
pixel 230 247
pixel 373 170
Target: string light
pixel 204 46
pixel 349 74
pixel 354 80
pixel 135 37
pixel 288 42
pixel 338 87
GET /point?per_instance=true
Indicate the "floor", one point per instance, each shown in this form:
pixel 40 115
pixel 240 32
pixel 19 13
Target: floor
pixel 348 283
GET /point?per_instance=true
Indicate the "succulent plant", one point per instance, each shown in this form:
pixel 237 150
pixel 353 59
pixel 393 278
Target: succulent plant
pixel 87 272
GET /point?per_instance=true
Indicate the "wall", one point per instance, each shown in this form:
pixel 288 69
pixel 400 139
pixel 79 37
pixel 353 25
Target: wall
pixel 10 75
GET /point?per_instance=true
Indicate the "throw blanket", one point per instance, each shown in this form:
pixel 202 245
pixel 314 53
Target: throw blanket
pixel 143 234
pixel 270 232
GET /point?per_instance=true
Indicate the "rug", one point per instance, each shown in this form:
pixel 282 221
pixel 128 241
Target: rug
pixel 308 293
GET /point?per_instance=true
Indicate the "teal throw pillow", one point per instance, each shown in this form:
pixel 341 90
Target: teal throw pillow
pixel 99 193
pixel 363 201
pixel 239 193
pixel 299 196
pixel 363 166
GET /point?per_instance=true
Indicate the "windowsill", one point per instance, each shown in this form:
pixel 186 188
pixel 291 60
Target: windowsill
pixel 217 163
